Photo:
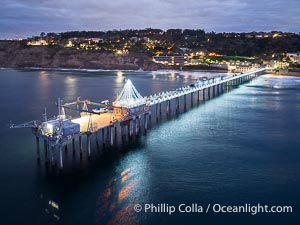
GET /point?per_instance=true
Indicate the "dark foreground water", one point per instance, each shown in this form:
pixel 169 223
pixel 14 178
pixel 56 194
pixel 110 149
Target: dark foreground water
pixel 241 148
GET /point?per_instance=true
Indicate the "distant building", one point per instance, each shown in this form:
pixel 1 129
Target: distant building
pixel 70 44
pixel 223 66
pixel 170 60
pixel 295 57
pixel 185 49
pixel 145 39
pixel 134 39
pixel 249 35
pixel 281 65
pixel 241 67
pixel 96 40
pixel 38 42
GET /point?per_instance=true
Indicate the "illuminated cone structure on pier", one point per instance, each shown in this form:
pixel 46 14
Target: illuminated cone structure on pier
pixel 129 97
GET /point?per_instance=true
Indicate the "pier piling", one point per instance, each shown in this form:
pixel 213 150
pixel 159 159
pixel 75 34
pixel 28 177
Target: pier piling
pixel 160 110
pixel 60 158
pixel 37 147
pixel 145 122
pixel 96 137
pixel 168 105
pixel 73 145
pixel 111 135
pixel 103 137
pixel 46 151
pixel 177 104
pixel 52 156
pixel 88 141
pixel 80 146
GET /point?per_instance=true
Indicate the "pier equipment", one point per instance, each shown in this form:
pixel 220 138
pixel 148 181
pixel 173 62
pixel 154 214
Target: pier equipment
pixel 126 117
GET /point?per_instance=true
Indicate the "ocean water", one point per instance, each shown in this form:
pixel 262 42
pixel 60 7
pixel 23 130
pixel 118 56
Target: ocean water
pixel 243 147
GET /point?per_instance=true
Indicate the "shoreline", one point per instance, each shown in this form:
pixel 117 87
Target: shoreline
pixel 291 74
pixel 103 70
pixel 281 77
pixel 90 70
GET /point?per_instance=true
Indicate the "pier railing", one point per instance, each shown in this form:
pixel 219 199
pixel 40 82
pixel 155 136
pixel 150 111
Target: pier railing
pixel 198 86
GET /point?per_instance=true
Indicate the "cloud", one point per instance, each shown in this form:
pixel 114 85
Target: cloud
pixel 29 17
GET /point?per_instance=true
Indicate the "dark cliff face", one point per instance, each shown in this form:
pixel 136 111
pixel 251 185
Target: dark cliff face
pixel 16 54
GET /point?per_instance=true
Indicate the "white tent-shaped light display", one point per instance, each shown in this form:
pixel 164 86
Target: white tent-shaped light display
pixel 129 97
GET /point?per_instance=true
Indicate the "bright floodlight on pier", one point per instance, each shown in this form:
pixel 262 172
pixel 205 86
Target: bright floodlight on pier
pixel 129 97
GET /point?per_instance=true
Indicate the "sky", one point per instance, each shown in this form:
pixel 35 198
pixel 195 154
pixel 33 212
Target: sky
pixel 25 18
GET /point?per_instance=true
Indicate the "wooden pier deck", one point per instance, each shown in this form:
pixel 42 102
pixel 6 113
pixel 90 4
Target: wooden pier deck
pixel 97 121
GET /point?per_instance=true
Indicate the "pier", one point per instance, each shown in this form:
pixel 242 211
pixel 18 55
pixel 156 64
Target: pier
pixel 128 116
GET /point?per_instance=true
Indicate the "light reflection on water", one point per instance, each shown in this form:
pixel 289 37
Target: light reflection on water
pixel 71 88
pixel 120 77
pixel 44 83
pixel 115 203
pixel 278 82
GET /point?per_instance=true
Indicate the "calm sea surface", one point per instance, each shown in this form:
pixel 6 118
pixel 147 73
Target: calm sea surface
pixel 242 147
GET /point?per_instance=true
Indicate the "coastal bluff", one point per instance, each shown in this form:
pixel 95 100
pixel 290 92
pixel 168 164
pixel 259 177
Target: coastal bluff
pixel 16 54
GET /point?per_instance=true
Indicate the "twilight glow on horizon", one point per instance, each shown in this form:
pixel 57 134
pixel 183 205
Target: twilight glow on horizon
pixel 24 18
